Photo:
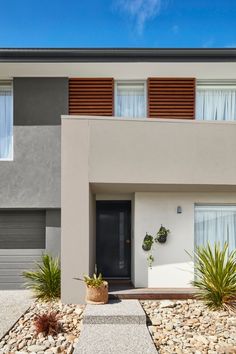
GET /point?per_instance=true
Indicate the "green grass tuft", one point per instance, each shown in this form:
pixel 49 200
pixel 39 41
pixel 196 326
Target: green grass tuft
pixel 215 276
pixel 45 281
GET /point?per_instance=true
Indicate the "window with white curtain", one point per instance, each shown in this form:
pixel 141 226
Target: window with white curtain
pixel 130 99
pixel 215 223
pixel 6 121
pixel 216 101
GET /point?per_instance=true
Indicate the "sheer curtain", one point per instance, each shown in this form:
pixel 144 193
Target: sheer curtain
pixel 130 100
pixel 216 104
pixel 215 224
pixel 6 122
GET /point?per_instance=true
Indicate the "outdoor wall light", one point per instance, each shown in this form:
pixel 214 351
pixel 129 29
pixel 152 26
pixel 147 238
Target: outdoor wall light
pixel 179 209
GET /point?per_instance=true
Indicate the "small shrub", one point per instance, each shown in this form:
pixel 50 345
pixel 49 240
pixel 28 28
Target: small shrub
pixel 215 276
pixel 47 323
pixel 94 281
pixel 45 281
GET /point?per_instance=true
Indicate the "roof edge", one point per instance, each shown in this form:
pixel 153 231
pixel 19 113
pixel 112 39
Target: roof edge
pixel 47 55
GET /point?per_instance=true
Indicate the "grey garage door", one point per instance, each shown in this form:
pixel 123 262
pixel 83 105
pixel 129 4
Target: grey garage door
pixel 22 241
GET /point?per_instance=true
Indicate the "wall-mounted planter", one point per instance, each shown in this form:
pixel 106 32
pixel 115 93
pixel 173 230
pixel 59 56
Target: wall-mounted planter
pixel 147 242
pixel 162 234
pixel 162 238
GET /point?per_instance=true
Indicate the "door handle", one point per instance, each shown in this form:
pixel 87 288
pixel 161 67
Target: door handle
pixel 127 241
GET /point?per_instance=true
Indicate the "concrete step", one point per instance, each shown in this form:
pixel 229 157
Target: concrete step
pixel 115 339
pixel 118 327
pixel 115 312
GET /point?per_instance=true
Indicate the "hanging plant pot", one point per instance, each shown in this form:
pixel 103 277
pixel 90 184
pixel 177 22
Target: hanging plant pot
pixel 147 242
pixel 162 238
pixel 162 234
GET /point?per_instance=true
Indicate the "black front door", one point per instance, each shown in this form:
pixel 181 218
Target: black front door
pixel 113 238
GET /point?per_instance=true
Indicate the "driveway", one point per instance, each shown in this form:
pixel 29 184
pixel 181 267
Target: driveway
pixel 13 303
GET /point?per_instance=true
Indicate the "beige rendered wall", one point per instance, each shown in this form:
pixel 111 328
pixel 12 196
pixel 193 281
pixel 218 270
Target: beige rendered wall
pixel 150 153
pixel 121 71
pixel 161 152
pixel 172 266
pixel 75 200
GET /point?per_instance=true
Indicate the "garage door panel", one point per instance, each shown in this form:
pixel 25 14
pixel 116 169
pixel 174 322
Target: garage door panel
pixel 11 286
pixel 22 242
pixel 12 279
pixel 22 229
pixel 10 272
pixel 19 259
pixel 17 265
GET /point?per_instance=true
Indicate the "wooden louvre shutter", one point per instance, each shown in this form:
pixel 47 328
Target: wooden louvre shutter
pixel 171 98
pixel 91 96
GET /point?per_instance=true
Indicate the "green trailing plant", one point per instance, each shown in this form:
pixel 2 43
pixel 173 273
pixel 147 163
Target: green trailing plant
pixel 45 280
pixel 150 260
pixel 94 281
pixel 162 234
pixel 215 276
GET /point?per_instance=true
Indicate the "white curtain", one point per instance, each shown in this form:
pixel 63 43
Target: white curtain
pixel 130 101
pixel 215 224
pixel 216 104
pixel 6 122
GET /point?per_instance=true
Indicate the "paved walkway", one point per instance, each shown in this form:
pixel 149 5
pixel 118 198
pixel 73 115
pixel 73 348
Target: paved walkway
pixel 13 303
pixel 116 328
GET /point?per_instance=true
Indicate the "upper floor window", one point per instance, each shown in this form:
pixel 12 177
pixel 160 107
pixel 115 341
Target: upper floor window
pixel 130 99
pixel 216 100
pixel 6 121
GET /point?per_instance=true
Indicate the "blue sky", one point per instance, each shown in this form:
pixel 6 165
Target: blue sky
pixel 118 23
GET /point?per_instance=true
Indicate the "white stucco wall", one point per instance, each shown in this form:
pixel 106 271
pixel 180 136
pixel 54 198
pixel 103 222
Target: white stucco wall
pixel 172 266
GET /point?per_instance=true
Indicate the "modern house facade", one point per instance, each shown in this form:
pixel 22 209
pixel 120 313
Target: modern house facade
pixel 146 138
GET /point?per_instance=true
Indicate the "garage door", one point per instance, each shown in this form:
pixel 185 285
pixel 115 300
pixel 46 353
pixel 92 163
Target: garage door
pixel 22 241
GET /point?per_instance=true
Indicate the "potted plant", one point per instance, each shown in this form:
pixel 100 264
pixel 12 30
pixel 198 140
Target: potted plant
pixel 147 242
pixel 162 234
pixel 96 289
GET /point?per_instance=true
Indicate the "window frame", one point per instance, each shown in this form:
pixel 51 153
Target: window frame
pixel 208 205
pixel 213 84
pixel 9 84
pixel 134 82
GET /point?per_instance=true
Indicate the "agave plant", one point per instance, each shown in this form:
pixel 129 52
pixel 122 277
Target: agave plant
pixel 215 276
pixel 45 281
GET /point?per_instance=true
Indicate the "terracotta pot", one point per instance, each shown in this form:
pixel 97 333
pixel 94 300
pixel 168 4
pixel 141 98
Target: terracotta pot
pixel 97 296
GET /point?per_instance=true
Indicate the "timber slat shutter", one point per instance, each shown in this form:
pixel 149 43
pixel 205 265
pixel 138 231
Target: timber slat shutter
pixel 91 96
pixel 171 98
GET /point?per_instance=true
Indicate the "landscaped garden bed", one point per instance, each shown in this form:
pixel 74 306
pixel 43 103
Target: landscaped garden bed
pixel 23 337
pixel 189 327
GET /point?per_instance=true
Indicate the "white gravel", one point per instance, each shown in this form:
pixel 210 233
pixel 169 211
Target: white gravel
pixel 13 303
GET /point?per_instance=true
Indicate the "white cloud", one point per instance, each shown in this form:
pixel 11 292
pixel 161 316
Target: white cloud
pixel 140 11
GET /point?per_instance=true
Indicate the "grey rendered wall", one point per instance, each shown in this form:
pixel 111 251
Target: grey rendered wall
pixel 40 101
pixel 32 179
